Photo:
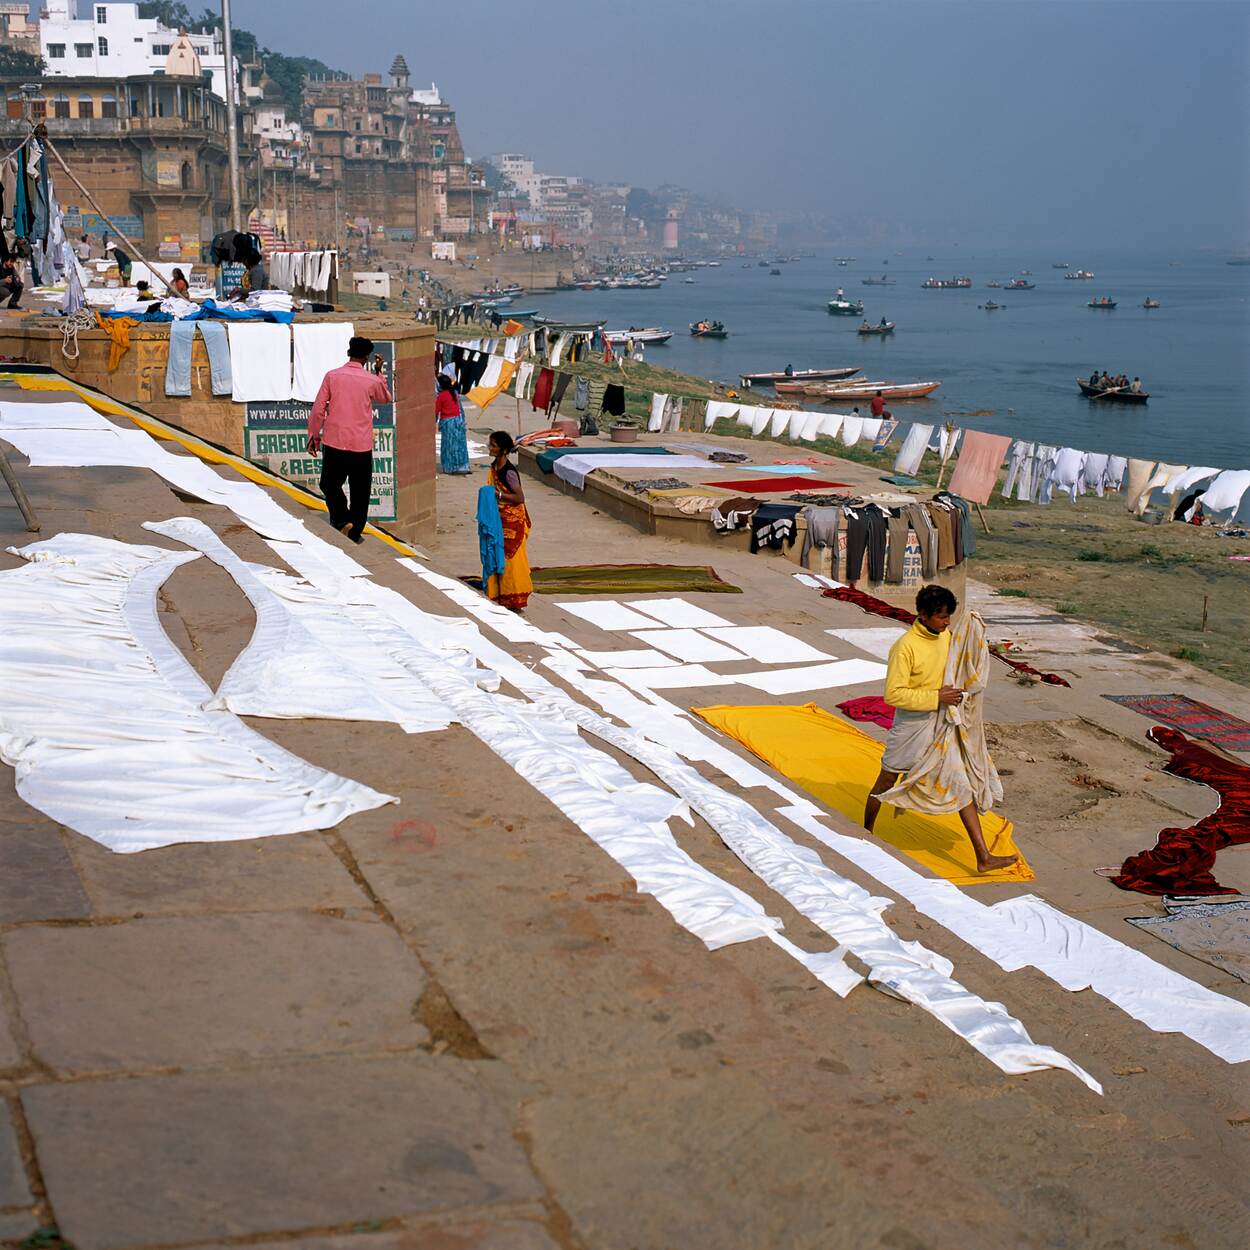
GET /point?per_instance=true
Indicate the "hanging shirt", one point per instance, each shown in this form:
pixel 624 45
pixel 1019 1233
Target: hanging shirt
pixel 342 413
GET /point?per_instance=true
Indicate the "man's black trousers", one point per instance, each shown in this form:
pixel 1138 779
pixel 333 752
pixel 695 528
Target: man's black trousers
pixel 356 469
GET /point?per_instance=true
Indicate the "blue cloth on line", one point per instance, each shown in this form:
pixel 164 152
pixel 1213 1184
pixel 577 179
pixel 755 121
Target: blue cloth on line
pixel 489 533
pixel 181 343
pixel 453 445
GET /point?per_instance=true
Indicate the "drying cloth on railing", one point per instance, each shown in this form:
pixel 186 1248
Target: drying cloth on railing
pixel 837 763
pixel 1182 859
pixel 773 526
pixel 260 362
pixel 319 347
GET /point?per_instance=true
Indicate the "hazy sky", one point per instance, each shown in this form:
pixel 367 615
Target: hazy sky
pixel 1090 121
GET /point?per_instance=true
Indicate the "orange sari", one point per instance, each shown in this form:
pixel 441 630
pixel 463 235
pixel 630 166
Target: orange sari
pixel 514 586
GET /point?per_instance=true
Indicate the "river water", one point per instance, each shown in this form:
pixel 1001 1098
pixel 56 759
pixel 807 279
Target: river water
pixel 1192 354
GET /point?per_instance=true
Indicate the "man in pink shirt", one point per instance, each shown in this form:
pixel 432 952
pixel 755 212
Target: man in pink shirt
pixel 340 426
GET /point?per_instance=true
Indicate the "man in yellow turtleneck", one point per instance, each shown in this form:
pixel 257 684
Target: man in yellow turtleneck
pixel 914 674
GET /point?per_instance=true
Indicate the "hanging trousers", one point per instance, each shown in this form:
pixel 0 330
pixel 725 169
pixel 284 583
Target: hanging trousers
pixel 356 469
pixel 867 528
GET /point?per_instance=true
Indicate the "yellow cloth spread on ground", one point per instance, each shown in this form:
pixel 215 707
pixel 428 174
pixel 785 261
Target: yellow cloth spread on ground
pixel 837 764
pixel 484 396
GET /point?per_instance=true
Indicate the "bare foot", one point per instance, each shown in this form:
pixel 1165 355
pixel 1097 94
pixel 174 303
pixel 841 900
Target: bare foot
pixel 992 863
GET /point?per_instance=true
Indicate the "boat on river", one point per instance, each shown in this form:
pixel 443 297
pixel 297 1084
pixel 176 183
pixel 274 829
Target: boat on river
pixel 797 376
pixel 1152 303
pixel 650 335
pixel 843 307
pixel 570 327
pixel 1059 264
pixel 884 327
pixel 1113 394
pixel 709 330
pixel 990 306
pixel 1105 302
pixel 858 389
pixel 946 284
pixel 1078 275
pixel 1019 284
pixel 881 281
pixel 994 286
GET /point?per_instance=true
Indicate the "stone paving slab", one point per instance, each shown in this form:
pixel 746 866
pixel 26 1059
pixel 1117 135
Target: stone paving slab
pixel 18 1225
pixel 472 1234
pixel 37 877
pixel 269 874
pixel 213 989
pixel 13 1189
pixel 192 1158
pixel 10 1055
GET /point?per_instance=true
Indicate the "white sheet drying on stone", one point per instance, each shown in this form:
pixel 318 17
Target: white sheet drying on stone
pixel 607 614
pixel 815 676
pixel 72 415
pixel 304 660
pixel 688 645
pixel 767 645
pixel 842 909
pixel 876 640
pixel 102 717
pixel 677 613
pixel 642 658
pixel 575 469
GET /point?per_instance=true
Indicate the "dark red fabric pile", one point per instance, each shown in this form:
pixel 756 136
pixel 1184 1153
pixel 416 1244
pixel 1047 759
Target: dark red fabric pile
pixel 869 707
pixel 878 607
pixel 1182 859
pixel 765 484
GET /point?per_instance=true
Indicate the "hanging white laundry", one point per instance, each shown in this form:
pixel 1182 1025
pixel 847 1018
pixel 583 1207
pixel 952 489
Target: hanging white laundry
pixel 852 428
pixel 745 416
pixel 913 449
pixel 716 409
pixel 103 718
pixel 1093 475
pixel 523 375
pixel 830 424
pixel 809 431
pixel 1017 458
pixel 1113 479
pixel 1065 476
pixel 319 347
pixel 490 378
pixel 1160 477
pixel 948 440
pixel 656 423
pixel 260 361
pixel 871 428
pixel 760 417
pixel 1225 493
pixel 780 422
pixel 1183 479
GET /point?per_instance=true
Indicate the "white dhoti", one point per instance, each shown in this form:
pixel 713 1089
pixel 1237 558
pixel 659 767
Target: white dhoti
pixel 909 738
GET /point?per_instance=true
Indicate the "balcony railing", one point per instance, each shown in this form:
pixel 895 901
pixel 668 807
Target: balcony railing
pixel 104 126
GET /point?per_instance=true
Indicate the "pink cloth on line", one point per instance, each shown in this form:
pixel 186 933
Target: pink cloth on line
pixel 976 470
pixel 342 413
pixel 869 707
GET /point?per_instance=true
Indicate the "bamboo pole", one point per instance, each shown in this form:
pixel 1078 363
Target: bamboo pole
pixel 19 495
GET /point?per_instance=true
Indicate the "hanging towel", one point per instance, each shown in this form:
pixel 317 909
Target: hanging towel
pixel 810 427
pixel 542 389
pixel 1162 474
pixel 779 423
pixel 319 347
pixel 260 360
pixel 831 424
pixel 852 428
pixel 656 423
pixel 745 416
pixel 614 400
pixel 760 417
pixel 871 428
pixel 484 395
pixel 1113 478
pixel 1224 494
pixel 977 468
pixel 489 533
pixel 913 449
pixel 716 409
pixel 1139 473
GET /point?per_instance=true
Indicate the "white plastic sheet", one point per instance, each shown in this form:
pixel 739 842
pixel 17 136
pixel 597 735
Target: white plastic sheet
pixel 102 717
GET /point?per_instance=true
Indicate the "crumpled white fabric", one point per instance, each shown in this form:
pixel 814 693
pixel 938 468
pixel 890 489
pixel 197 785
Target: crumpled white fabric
pixel 1225 493
pixel 103 718
pixel 306 659
pixel 1185 478
pixel 656 423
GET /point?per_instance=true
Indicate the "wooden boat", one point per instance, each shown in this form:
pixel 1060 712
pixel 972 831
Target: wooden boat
pixel 651 335
pixel 572 327
pixel 774 273
pixel 881 281
pixel 1019 284
pixel 1101 303
pixel 994 286
pixel 1077 275
pixel 888 328
pixel 846 307
pixel 521 314
pixel 708 330
pixel 1059 264
pixel 990 306
pixel 1152 303
pixel 946 284
pixel 799 376
pixel 866 390
pixel 1114 394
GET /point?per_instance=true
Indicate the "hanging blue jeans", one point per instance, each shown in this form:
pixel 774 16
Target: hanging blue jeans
pixel 181 340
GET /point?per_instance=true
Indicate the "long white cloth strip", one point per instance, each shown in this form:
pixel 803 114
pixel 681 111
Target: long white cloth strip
pixel 607 614
pixel 304 661
pixel 678 677
pixel 319 557
pixel 319 347
pixel 102 716
pixel 760 417
pixel 1027 932
pixel 688 645
pixel 876 640
pixel 72 415
pixel 815 676
pixel 575 469
pixel 642 658
pixel 677 613
pixel 260 360
pixel 513 627
pixel 656 422
pixel 840 907
pixel 767 645
pixel 780 421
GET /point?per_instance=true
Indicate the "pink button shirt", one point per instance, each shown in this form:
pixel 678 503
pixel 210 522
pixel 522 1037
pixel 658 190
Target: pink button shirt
pixel 342 413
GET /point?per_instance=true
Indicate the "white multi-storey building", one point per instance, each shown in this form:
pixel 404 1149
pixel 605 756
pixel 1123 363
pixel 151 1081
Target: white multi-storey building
pixel 115 42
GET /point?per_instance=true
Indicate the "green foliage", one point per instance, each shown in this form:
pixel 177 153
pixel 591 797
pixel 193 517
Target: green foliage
pixel 1089 555
pixel 169 13
pixel 1187 653
pixel 1067 609
pixel 1012 592
pixel 17 64
pixel 289 73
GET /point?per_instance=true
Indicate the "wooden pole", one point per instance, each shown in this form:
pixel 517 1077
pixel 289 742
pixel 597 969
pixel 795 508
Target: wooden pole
pixel 1204 613
pixel 981 514
pixel 19 495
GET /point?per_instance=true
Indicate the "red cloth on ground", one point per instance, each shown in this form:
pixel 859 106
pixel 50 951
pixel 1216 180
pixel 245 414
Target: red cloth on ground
pixel 542 388
pixel 871 707
pixel 766 484
pixel 878 607
pixel 1182 859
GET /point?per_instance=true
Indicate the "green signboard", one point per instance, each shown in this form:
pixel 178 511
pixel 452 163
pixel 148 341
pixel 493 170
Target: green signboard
pixel 275 436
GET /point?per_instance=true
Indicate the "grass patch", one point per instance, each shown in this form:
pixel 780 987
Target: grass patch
pixel 1067 609
pixel 1187 653
pixel 1011 592
pixel 1089 555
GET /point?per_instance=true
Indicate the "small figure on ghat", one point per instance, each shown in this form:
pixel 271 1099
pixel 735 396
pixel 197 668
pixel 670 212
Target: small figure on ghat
pixel 934 681
pixel 513 587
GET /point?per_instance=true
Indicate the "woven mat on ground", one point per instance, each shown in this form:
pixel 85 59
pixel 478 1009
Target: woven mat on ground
pixel 629 579
pixel 1198 720
pixel 837 764
pixel 766 485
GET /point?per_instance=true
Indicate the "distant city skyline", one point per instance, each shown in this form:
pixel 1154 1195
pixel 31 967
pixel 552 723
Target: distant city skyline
pixel 1108 122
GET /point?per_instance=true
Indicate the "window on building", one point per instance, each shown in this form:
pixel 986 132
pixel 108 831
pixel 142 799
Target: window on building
pixel 102 46
pixel 86 106
pixel 82 49
pixel 60 106
pixel 13 106
pixel 438 151
pixel 108 106
pixel 56 51
pixel 134 106
pixel 161 49
pixel 101 15
pixel 39 108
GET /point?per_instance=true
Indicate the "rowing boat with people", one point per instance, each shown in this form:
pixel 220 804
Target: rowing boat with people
pixel 797 375
pixel 1115 394
pixel 860 389
pixel 886 327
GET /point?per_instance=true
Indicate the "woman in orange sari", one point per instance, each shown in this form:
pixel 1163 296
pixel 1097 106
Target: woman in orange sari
pixel 513 587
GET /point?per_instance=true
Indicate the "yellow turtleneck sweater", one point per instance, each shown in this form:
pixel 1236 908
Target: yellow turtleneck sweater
pixel 916 669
